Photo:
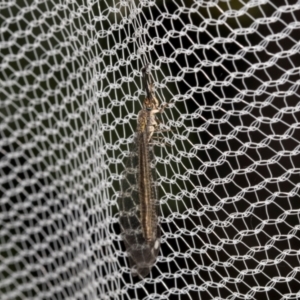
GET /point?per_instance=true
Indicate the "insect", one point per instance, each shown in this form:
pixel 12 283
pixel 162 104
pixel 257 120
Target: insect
pixel 138 202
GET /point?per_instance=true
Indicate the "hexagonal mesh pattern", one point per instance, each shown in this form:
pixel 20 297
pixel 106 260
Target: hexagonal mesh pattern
pixel 227 173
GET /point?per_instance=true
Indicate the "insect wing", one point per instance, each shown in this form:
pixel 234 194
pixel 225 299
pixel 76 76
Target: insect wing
pixel 134 212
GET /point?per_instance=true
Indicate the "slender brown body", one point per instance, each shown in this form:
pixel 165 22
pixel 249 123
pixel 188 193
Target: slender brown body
pixel 148 213
pixel 139 203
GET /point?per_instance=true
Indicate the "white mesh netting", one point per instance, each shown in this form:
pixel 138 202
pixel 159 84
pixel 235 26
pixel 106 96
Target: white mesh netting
pixel 229 184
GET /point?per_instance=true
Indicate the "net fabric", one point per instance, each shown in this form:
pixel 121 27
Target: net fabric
pixel 229 184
